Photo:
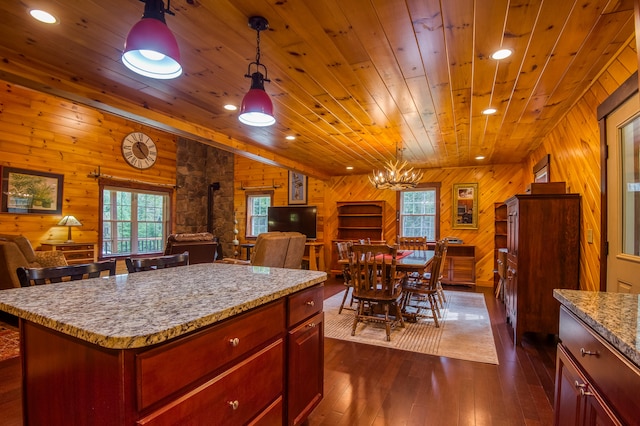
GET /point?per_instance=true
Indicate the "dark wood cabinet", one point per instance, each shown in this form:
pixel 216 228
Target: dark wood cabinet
pixel 595 383
pixel 543 251
pixel 261 367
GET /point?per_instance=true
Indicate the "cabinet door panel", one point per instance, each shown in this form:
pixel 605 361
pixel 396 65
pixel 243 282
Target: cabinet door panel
pixel 306 372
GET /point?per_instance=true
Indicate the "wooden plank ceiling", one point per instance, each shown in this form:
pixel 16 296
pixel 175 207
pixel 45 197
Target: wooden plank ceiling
pixel 351 79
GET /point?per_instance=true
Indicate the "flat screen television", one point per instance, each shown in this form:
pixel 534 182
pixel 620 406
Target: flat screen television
pixel 301 219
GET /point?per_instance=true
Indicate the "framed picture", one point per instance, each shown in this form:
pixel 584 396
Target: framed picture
pixel 541 170
pixel 29 191
pixel 297 188
pixel 465 206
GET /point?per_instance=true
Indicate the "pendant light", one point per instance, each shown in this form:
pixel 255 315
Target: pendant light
pixel 396 176
pixel 257 108
pixel 151 48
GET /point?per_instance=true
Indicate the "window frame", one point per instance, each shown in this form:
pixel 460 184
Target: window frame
pixel 436 186
pixel 248 216
pixel 132 187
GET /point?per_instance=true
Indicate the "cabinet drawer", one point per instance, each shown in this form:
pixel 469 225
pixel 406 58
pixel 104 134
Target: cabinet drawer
pixel 273 415
pixel 614 376
pixel 304 304
pixel 168 369
pixel 232 398
pixel 76 247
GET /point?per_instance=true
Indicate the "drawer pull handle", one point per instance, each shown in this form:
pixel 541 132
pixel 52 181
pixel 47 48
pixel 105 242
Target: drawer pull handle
pixel 584 392
pixel 585 352
pixel 234 342
pixel 579 385
pixel 311 303
pixel 311 325
pixel 233 404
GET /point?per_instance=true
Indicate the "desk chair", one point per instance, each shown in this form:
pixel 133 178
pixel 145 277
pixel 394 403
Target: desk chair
pixel 140 264
pixel 56 274
pixel 377 286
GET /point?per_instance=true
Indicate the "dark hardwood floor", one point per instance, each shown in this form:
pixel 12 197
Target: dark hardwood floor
pixel 371 385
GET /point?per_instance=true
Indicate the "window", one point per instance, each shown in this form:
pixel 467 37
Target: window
pixel 419 212
pixel 134 221
pixel 257 208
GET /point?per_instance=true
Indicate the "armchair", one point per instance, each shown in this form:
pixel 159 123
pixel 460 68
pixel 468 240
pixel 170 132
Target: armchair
pixel 276 249
pixel 16 252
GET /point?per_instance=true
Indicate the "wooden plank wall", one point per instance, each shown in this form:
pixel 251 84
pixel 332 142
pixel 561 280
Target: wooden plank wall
pixel 495 183
pixel 45 133
pixel 574 145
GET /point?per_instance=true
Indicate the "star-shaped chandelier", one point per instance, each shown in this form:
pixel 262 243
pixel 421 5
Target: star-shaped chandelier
pixel 396 176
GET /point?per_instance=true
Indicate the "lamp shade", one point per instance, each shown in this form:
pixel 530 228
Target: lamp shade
pixel 69 220
pixel 152 50
pixel 257 108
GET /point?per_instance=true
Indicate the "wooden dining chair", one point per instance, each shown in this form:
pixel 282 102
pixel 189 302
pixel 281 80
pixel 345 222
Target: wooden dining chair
pixel 421 293
pixel 377 286
pixel 344 251
pixel 139 264
pixel 441 248
pixel 57 274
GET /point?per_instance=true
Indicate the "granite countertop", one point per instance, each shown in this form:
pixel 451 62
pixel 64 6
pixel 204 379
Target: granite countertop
pixel 613 316
pixel 145 308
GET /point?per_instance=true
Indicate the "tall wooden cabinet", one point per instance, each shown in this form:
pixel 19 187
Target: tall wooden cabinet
pixel 543 250
pixel 357 220
pixel 499 237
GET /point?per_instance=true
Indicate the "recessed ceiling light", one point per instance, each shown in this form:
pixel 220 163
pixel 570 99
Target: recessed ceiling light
pixel 290 138
pixel 480 157
pixel 43 16
pixel 501 54
pixel 349 167
pixel 489 111
pixel 230 107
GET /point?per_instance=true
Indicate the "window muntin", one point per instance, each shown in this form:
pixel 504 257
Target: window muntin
pixel 257 209
pixel 419 213
pixel 133 221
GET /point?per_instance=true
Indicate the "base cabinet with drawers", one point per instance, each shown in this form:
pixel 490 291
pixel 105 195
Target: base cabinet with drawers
pixel 595 384
pixel 74 253
pixel 261 367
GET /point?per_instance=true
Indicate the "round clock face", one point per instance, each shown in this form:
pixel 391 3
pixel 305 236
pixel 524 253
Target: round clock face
pixel 139 150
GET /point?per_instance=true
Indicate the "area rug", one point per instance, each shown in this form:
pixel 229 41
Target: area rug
pixel 464 332
pixel 9 343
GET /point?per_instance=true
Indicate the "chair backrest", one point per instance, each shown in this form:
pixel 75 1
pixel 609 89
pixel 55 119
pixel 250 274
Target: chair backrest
pixel 39 276
pixel 412 243
pixel 441 247
pixel 295 250
pixel 435 270
pixel 270 249
pixel 140 264
pixel 373 271
pixel 344 252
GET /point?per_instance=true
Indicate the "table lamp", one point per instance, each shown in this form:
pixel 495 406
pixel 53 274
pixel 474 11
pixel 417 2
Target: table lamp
pixel 69 221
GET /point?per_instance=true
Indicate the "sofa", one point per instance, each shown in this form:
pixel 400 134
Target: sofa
pixel 16 251
pixel 203 247
pixel 276 249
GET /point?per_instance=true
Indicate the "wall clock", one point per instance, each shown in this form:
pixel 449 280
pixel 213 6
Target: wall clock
pixel 139 150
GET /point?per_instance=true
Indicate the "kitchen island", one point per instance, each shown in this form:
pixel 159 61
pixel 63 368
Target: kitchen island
pixel 199 344
pixel 598 358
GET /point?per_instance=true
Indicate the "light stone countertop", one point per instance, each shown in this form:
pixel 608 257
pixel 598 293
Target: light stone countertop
pixel 613 316
pixel 145 308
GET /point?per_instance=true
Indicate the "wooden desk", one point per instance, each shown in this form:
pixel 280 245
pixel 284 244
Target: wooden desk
pixel 314 253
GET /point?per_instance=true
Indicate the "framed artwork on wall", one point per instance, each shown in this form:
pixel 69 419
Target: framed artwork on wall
pixel 465 206
pixel 29 191
pixel 297 188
